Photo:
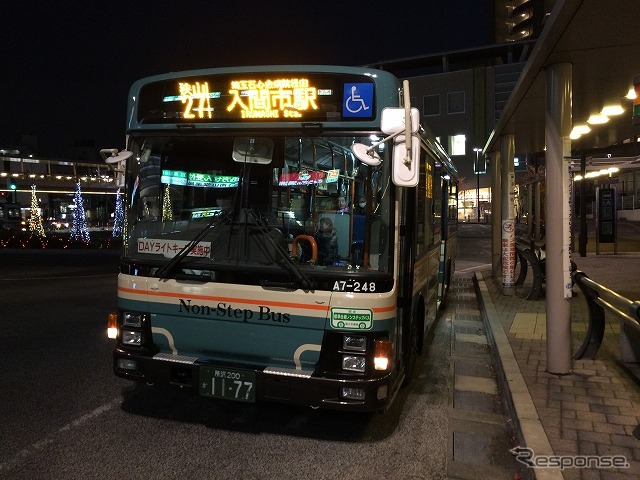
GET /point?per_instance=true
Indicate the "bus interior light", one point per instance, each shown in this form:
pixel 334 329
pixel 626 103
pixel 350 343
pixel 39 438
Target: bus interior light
pixel 112 325
pixel 382 354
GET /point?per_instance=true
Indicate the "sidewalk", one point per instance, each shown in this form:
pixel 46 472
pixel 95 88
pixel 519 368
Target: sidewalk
pixel 595 410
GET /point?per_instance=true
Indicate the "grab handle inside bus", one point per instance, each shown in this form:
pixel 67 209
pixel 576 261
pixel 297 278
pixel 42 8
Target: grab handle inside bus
pixel 312 242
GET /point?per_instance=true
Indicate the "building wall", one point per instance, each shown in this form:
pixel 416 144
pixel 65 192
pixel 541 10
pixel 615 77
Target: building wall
pixel 468 118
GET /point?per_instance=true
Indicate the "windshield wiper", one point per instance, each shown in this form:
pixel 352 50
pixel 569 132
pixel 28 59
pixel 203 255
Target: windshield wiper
pixel 167 269
pixel 304 280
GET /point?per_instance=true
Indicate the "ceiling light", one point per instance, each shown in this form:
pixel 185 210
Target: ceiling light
pixel 611 110
pixel 597 119
pixel 578 131
pixel 631 95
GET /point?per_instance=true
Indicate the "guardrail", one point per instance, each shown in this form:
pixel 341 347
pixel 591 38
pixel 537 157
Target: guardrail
pixel 600 298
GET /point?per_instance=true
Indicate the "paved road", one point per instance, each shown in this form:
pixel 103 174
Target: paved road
pixel 65 415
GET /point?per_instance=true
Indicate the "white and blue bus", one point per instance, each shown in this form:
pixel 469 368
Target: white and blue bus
pixel 287 236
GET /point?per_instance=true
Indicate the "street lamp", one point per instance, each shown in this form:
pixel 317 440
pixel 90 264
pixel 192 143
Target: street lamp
pixel 477 169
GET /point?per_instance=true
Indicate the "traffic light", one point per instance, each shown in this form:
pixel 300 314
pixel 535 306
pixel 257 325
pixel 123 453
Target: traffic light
pixel 12 184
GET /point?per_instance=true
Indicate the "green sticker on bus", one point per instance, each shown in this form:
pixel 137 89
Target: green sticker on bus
pixel 352 318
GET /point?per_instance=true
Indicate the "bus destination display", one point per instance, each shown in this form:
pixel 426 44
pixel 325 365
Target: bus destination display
pixel 258 97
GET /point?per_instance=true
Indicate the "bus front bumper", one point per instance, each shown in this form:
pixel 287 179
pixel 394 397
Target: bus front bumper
pixel 276 385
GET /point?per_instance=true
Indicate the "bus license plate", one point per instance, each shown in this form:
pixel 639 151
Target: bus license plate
pixel 228 383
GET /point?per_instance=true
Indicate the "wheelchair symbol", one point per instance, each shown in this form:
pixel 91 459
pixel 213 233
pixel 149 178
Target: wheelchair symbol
pixel 355 103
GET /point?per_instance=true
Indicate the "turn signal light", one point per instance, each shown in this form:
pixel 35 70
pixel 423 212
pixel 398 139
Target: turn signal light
pixel 112 325
pixel 382 356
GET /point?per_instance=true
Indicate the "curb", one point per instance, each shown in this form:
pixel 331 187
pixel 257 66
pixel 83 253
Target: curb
pixel 527 422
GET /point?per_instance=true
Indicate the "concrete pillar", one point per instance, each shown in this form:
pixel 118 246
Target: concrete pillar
pixel 508 225
pixel 558 279
pixel 496 215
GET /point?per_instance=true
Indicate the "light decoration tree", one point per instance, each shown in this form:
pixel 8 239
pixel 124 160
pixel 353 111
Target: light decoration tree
pixel 167 212
pixel 35 220
pixel 79 230
pixel 118 221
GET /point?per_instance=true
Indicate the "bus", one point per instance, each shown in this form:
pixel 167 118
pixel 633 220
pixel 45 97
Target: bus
pixel 11 217
pixel 289 235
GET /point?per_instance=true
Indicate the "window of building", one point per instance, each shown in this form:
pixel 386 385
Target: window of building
pixel 431 105
pixel 457 145
pixel 455 102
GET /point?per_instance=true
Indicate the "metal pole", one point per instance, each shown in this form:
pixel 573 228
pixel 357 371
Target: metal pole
pixel 558 275
pixel 583 205
pixel 477 150
pixel 478 195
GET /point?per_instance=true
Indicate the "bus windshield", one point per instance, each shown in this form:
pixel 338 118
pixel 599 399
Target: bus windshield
pixel 242 203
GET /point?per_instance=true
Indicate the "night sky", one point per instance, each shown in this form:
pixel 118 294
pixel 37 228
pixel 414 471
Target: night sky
pixel 67 66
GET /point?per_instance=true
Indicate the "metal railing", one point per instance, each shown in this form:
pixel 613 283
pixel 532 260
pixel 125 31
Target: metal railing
pixel 600 298
pixel 530 254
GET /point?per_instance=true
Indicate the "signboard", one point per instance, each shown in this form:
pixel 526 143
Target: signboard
pixel 508 253
pixel 195 179
pixel 170 248
pixel 606 215
pixel 258 96
pixel 301 178
pixel 351 318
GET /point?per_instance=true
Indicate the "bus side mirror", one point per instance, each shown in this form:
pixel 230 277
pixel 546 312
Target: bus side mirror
pixel 406 168
pixel 392 123
pixel 401 125
pixel 116 162
pixel 405 172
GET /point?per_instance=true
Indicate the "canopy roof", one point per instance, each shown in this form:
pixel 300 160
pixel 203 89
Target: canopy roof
pixel 601 39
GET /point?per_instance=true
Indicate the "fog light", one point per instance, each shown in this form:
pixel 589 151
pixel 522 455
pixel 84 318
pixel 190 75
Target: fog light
pixel 353 363
pixel 382 392
pixel 130 337
pixel 357 343
pixel 352 393
pixel 125 364
pixel 383 354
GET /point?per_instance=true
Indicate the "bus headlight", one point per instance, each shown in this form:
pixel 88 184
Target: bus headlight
pixel 353 363
pixel 131 337
pixel 356 343
pixel 132 319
